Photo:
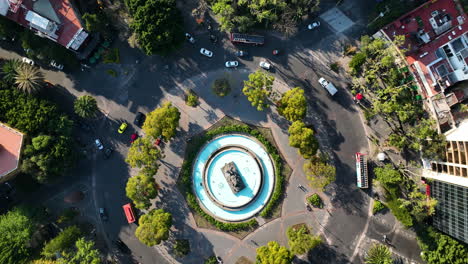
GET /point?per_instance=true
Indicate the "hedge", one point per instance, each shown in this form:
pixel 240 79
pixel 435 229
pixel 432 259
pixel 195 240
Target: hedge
pixel 186 173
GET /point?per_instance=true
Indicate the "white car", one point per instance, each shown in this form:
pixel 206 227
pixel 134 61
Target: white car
pixel 232 64
pixel 265 65
pixel 206 52
pixel 27 61
pixel 99 144
pixel 315 24
pixel 56 65
pixel 328 86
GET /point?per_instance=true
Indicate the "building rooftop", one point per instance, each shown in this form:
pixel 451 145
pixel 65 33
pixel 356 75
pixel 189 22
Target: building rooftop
pixel 54 19
pixel 435 42
pixel 10 149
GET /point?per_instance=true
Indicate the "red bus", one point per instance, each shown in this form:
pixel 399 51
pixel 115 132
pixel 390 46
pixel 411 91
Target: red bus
pixel 248 39
pixel 129 213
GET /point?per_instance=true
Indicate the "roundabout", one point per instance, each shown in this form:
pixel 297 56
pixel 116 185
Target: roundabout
pixel 233 177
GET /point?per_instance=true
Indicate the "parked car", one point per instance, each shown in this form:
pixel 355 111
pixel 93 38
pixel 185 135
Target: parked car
pixel 158 141
pixel 133 137
pixel 56 65
pixel 232 64
pixel 265 65
pixel 27 61
pixel 315 24
pixel 206 52
pixel 139 119
pixel 103 214
pixel 99 144
pixel 190 38
pixel 108 153
pixel 122 127
pixel 218 258
pixel 241 53
pixel 331 89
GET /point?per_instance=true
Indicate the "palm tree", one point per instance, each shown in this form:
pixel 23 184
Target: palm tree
pixel 9 69
pixel 86 106
pixel 28 78
pixel 379 254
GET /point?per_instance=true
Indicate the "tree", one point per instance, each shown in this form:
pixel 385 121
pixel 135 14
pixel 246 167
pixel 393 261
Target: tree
pixel 163 121
pixel 300 241
pixel 9 70
pixel 86 106
pixel 28 78
pixel 154 227
pixel 44 261
pixel 273 253
pixel 293 105
pixel 319 172
pixel 303 138
pixel 258 88
pixel 387 175
pixel 84 253
pixel 62 242
pixel 378 254
pixel 419 205
pixel 96 22
pixel 158 25
pixel 16 229
pixel 221 87
pixel 225 10
pixel 356 62
pixel 441 249
pixel 142 154
pixel 141 189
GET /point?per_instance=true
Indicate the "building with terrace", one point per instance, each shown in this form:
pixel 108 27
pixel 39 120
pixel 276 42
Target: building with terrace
pixel 56 20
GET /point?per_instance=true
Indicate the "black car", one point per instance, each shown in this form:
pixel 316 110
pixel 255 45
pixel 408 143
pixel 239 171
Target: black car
pixel 139 119
pixel 108 152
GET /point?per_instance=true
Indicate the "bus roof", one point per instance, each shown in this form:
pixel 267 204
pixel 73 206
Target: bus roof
pixel 129 213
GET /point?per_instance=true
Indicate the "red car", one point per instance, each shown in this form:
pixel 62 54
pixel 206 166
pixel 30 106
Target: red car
pixel 158 141
pixel 133 137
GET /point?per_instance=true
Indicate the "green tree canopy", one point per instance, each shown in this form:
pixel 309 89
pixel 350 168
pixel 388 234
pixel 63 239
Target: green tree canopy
pixel 302 137
pixel 154 227
pixel 441 249
pixel 293 105
pixel 300 241
pixel 86 106
pixel 9 70
pixel 84 253
pixel 29 79
pixel 16 229
pixel 158 25
pixel 143 154
pixel 96 22
pixel 141 189
pixel 379 254
pixel 273 253
pixel 64 241
pixel 419 205
pixel 319 172
pixel 387 175
pixel 163 121
pixel 258 88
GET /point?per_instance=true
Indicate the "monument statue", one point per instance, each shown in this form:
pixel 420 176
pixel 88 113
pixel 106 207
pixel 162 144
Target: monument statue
pixel 233 177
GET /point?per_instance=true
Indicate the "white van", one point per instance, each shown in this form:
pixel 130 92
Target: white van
pixel 328 86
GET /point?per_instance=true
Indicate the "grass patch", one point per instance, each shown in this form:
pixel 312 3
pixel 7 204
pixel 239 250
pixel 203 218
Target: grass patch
pixel 377 207
pixel 229 125
pixel 315 201
pixel 111 72
pixel 244 260
pixel 112 56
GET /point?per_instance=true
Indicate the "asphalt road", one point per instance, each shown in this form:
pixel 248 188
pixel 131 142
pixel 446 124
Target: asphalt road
pixel 303 59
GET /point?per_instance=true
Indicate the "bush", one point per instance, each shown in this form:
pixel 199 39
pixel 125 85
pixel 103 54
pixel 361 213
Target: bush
pixel 65 240
pixel 67 215
pixel 300 241
pixel 181 247
pixel 378 206
pixel 192 99
pixel 112 56
pixel 315 200
pixel 400 213
pixel 357 61
pixel 111 72
pixel 211 260
pixel 221 87
pixel 335 67
pixel 186 173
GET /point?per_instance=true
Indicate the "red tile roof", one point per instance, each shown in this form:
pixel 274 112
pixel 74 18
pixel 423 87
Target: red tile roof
pixel 10 149
pixel 425 53
pixel 69 20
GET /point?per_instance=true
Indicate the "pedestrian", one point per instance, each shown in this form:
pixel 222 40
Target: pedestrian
pixel 385 238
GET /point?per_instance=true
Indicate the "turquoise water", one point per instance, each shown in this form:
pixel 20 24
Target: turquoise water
pixel 248 169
